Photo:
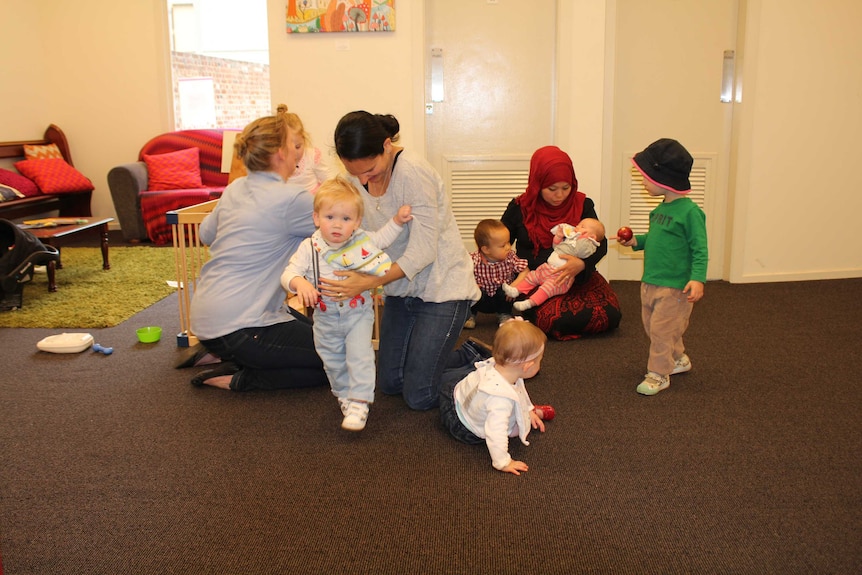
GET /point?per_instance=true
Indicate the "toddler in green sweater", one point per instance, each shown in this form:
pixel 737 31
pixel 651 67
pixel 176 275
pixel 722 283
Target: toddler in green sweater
pixel 675 259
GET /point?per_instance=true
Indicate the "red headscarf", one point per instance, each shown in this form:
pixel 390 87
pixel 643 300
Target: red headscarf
pixel 548 166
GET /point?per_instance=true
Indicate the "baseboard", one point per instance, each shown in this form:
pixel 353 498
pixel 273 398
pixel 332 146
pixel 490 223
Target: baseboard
pixel 815 275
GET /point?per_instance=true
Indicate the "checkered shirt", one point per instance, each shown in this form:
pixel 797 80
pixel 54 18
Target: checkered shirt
pixel 491 275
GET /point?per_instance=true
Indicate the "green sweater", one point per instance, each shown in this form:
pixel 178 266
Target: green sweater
pixel 675 249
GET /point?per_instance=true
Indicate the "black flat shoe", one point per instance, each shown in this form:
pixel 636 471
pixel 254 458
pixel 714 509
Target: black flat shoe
pixel 192 356
pixel 225 368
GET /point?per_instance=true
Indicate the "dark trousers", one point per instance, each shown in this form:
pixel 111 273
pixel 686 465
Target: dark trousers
pixel 278 356
pixel 497 303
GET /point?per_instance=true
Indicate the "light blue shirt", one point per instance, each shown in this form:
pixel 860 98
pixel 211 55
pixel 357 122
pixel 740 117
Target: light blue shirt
pixel 255 228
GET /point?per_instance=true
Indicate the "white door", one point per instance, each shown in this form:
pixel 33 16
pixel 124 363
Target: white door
pixel 667 83
pixel 490 65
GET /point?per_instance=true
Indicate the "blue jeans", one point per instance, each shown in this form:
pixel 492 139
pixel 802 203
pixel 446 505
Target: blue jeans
pixel 416 341
pixel 342 336
pixel 278 356
pixel 448 414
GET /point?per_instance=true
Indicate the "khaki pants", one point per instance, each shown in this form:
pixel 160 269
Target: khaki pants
pixel 665 312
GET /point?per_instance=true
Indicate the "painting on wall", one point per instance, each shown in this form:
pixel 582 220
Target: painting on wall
pixel 340 16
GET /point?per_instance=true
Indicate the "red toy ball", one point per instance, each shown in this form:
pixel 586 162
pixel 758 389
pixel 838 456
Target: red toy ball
pixel 624 234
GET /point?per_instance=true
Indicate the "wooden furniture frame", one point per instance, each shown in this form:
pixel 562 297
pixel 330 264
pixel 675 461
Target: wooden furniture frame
pixel 189 255
pixel 53 236
pixel 68 204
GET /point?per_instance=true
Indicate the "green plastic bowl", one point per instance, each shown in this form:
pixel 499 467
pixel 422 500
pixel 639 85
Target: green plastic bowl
pixel 149 334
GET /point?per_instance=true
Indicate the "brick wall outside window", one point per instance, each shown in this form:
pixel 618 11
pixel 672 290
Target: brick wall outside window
pixel 241 88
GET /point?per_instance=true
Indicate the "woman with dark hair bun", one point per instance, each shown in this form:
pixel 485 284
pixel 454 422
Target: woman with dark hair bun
pixel 430 287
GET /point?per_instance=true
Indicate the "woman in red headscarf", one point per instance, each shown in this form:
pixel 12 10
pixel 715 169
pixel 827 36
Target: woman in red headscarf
pixel 552 198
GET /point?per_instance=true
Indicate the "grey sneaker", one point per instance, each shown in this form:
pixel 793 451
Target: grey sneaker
pixel 357 414
pixel 653 383
pixel 682 365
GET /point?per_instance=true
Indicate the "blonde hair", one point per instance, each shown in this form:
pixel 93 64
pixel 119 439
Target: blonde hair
pixel 261 139
pixel 518 342
pixel 335 190
pixel 484 230
pixel 296 126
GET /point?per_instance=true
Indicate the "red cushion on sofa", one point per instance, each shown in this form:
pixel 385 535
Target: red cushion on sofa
pixel 19 182
pixel 179 170
pixel 54 176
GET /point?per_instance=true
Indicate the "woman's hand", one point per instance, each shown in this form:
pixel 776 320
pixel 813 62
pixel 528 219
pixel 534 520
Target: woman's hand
pixel 351 284
pixel 572 267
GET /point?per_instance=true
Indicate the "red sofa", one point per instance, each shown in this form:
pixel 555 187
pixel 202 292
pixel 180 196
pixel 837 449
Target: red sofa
pixel 36 201
pixel 140 210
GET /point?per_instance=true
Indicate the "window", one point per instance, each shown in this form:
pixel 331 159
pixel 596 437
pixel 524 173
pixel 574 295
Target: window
pixel 219 62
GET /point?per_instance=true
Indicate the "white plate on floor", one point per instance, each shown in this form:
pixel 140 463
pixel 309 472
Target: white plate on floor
pixel 66 343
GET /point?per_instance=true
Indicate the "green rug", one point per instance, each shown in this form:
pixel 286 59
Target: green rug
pixel 88 296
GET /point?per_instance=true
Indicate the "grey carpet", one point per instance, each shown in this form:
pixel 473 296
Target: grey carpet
pixel 750 463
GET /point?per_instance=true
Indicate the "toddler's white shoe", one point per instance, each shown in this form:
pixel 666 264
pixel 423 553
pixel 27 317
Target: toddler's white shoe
pixel 343 404
pixel 653 383
pixel 357 414
pixel 682 365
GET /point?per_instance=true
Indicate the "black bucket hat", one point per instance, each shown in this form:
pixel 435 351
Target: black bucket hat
pixel 667 164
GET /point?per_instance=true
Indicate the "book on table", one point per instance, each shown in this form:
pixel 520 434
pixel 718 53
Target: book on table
pixel 51 223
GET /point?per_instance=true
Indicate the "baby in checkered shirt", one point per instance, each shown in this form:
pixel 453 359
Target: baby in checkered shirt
pixel 494 264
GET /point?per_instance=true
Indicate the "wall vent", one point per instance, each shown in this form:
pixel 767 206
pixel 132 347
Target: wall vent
pixel 481 187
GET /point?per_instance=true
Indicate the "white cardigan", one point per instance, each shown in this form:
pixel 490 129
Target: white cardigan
pixel 494 410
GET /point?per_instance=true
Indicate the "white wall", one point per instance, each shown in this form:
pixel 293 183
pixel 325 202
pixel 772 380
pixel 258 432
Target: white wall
pixel 797 199
pixel 23 97
pixel 99 69
pixel 95 68
pixel 323 76
pixel 583 94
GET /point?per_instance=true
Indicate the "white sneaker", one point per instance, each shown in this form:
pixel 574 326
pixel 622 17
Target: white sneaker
pixel 682 365
pixel 343 404
pixel 653 383
pixel 357 414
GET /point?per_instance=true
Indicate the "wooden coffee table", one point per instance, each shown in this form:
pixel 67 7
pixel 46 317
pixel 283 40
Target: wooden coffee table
pixel 53 235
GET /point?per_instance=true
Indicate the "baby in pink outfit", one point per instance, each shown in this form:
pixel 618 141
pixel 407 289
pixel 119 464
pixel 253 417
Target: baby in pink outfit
pixel 580 241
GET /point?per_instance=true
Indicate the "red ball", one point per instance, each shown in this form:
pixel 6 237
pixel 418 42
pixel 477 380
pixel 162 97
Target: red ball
pixel 624 234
